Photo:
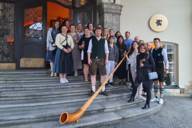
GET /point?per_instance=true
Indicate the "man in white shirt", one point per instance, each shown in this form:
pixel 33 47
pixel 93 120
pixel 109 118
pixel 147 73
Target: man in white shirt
pixel 162 65
pixel 98 58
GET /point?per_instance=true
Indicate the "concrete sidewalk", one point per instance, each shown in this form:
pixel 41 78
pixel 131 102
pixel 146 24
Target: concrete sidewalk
pixel 176 113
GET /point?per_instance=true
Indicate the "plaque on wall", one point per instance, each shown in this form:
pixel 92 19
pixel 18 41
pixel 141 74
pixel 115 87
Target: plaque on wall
pixel 158 23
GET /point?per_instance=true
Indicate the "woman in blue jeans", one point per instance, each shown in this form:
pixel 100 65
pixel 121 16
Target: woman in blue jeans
pixel 145 64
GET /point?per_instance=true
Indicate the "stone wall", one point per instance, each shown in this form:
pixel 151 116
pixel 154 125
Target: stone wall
pixel 6 31
pixel 109 14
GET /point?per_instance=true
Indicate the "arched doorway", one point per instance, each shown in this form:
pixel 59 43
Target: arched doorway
pixel 77 11
pixel 33 17
pixel 58 11
pixel 61 13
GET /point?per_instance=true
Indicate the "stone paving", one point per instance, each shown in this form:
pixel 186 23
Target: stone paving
pixel 176 113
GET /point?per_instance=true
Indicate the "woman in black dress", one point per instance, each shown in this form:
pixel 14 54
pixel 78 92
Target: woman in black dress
pixel 121 71
pixel 83 45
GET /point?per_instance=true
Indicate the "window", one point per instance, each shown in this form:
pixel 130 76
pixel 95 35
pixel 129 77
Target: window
pixel 33 23
pixel 74 3
pixel 172 51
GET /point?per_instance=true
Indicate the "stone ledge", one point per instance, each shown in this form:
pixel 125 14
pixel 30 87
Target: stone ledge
pixel 32 63
pixel 188 89
pixel 7 66
pixel 181 92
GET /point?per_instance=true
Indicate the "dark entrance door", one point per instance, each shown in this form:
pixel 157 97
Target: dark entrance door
pixel 31 27
pixel 32 38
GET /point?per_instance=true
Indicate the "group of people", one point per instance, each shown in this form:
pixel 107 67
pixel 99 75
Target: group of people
pixel 144 59
pixel 98 50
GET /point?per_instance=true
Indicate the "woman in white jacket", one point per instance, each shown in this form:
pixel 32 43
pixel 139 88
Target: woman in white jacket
pixel 132 56
pixel 51 47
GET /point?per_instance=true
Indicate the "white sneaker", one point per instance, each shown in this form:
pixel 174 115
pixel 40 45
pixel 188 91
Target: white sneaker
pixel 55 75
pixel 52 74
pixel 62 80
pixel 66 80
pixel 76 73
pixel 155 99
pixel 141 97
pixel 161 101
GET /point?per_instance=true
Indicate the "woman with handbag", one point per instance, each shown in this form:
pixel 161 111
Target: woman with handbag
pixel 63 58
pixel 145 65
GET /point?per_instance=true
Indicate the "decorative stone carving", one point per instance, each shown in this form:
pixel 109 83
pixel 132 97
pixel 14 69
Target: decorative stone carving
pixel 7 28
pixel 109 15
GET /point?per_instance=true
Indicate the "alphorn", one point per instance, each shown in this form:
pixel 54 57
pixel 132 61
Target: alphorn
pixel 66 117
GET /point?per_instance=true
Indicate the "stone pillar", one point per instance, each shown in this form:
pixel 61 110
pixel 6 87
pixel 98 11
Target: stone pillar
pixel 109 15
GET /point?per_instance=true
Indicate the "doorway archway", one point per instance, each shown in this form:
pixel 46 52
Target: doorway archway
pixel 62 12
pixel 33 18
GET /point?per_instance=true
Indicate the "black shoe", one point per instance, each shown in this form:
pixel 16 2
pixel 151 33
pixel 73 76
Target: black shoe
pixel 104 93
pixel 124 83
pixel 144 95
pixel 120 83
pixel 146 106
pixel 131 100
pixel 109 85
pixel 91 93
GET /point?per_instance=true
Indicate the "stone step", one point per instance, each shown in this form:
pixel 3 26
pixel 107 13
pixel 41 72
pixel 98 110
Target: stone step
pixel 32 99
pixel 40 74
pixel 28 71
pixel 57 100
pixel 32 77
pixel 54 104
pixel 40 84
pixel 109 105
pixel 49 91
pixel 53 113
pixel 106 118
pixel 45 85
pixel 24 78
pixel 7 75
pixel 54 93
pixel 45 99
pixel 35 80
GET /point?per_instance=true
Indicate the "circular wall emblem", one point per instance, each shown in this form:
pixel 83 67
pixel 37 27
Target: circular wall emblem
pixel 158 23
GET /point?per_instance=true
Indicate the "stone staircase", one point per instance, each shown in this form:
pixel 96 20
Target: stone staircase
pixel 31 99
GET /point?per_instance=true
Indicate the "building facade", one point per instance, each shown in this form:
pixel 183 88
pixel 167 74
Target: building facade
pixel 24 23
pixel 135 16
